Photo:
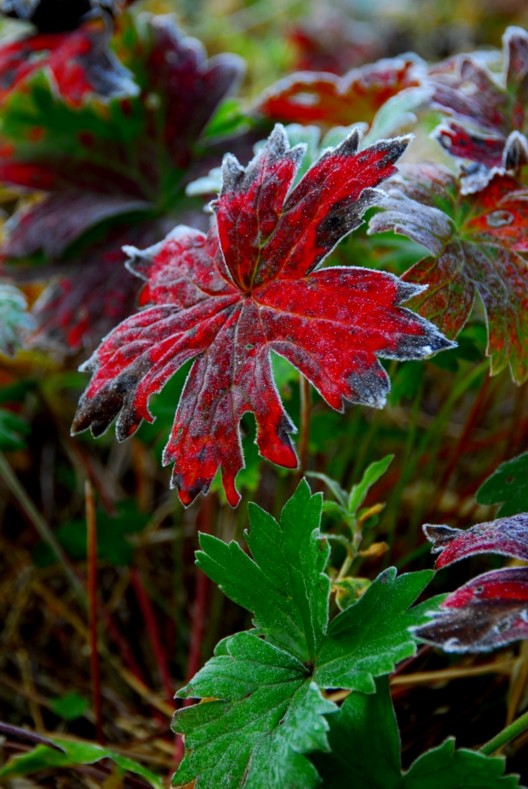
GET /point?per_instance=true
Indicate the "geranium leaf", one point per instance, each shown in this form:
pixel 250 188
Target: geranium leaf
pixel 79 63
pixel 266 716
pixel 492 609
pixel 126 154
pixel 369 638
pixel 53 223
pixel 264 688
pixel 364 743
pixel 365 753
pixel 445 767
pixel 330 100
pixel 15 322
pixel 489 122
pixel 284 584
pixel 488 612
pixel 475 243
pixel 507 485
pixel 247 288
pixel 506 536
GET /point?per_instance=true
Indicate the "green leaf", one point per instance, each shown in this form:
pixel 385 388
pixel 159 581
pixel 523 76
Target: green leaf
pixel 507 485
pixel 113 532
pixel 373 761
pixel 267 716
pixel 74 753
pixel 374 472
pixel 447 768
pixel 70 706
pixel 367 721
pixel 13 429
pixel 284 584
pixel 370 637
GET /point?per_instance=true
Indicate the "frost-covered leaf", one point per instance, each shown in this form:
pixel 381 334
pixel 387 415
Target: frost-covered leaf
pixel 78 63
pixel 15 322
pixel 476 243
pixel 250 286
pixel 508 485
pixel 283 584
pixel 506 536
pixel 492 609
pixel 368 639
pixel 265 716
pixel 490 121
pixel 488 612
pixel 311 97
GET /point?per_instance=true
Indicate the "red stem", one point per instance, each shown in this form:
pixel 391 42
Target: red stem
pixel 152 631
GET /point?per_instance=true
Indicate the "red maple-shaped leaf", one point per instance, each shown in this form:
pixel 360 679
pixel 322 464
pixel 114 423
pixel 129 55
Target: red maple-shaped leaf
pixel 253 285
pixel 490 117
pixel 492 609
pixel 330 100
pixel 475 243
pixel 79 63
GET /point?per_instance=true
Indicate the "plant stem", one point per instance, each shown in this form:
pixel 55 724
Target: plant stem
pixel 95 668
pixel 34 516
pixel 506 735
pixel 306 410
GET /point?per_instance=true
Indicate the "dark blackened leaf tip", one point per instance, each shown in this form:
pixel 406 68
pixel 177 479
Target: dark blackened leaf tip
pixel 395 147
pixel 439 535
pixel 232 173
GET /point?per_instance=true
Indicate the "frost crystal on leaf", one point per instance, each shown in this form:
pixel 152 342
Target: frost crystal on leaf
pixel 253 285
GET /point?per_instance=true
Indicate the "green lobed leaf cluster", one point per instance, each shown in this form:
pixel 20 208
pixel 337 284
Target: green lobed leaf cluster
pixel 265 706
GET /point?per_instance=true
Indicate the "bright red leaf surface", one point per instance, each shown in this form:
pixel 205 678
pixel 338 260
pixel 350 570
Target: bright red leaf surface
pixel 490 118
pixel 80 63
pixel 492 609
pixel 339 101
pixel 250 286
pixel 475 241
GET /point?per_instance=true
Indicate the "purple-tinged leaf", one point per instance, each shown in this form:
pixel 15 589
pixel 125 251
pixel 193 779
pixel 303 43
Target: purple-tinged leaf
pixel 506 536
pixel 488 612
pixel 58 219
pixel 475 241
pixel 489 117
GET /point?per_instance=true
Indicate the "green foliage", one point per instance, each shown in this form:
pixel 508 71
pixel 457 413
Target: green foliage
pixel 72 754
pixel 368 721
pixel 113 543
pixel 508 486
pixel 267 684
pixel 13 431
pixel 269 715
pixel 70 706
